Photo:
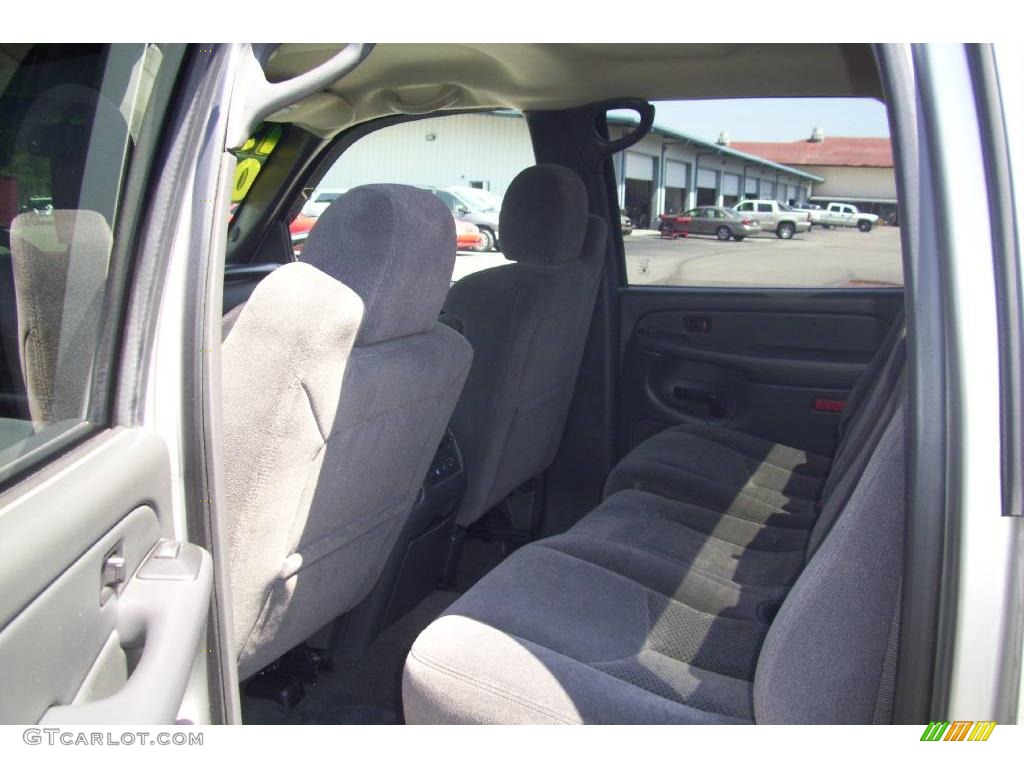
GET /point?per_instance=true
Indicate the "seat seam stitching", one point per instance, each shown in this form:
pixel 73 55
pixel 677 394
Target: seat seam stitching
pixel 691 568
pixel 714 480
pixel 759 459
pixel 655 591
pixel 492 688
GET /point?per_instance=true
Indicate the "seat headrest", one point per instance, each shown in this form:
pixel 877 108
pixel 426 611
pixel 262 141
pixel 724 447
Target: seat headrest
pixel 393 245
pixel 544 216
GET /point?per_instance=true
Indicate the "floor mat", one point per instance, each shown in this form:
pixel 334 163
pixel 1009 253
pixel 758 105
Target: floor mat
pixel 363 691
pixel 478 558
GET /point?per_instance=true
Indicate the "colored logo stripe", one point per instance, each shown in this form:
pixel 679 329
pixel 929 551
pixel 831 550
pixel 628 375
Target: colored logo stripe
pixel 934 730
pixel 958 730
pixel 982 730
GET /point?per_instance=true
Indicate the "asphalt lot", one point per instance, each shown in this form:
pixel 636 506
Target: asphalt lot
pixel 820 258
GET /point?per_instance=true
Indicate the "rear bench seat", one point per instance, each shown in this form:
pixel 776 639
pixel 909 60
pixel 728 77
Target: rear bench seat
pixel 724 579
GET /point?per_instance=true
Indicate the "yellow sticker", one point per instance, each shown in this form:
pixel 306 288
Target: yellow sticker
pixel 269 141
pixel 245 175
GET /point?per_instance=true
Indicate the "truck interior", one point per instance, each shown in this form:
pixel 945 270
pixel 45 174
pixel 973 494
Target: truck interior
pixel 541 494
pixel 355 476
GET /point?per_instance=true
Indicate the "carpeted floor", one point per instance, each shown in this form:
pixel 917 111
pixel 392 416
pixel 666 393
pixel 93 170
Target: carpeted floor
pixel 364 691
pixel 476 560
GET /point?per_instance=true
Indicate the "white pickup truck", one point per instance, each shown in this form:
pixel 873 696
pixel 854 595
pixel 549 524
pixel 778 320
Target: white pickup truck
pixel 846 215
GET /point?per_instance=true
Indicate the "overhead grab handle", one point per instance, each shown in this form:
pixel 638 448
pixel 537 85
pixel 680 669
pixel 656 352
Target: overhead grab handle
pixel 645 111
pixel 256 98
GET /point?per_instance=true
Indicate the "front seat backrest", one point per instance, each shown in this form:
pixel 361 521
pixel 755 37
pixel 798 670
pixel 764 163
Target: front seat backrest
pixel 338 384
pixel 527 323
pixel 59 262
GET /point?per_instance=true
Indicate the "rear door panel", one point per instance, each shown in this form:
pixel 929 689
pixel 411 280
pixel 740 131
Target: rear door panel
pixel 102 611
pixel 66 638
pixel 770 363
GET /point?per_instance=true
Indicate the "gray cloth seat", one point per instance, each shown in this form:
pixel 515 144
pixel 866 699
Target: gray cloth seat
pixel 717 560
pixel 755 479
pixel 652 609
pixel 527 323
pixel 338 383
pixel 553 636
pixel 730 548
pixel 742 475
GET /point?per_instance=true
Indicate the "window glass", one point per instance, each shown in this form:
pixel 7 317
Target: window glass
pixel 710 152
pixel 448 199
pixel 69 117
pixel 468 161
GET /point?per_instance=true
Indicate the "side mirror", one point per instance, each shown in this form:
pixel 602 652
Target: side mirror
pixel 461 210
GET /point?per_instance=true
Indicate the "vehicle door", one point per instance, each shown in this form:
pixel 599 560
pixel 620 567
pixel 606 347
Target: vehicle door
pixel 766 216
pixel 104 604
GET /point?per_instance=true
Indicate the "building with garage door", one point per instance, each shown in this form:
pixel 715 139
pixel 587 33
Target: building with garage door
pixel 666 171
pixel 855 170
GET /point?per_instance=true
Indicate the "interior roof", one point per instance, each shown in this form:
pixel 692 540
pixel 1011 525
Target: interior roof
pixel 539 76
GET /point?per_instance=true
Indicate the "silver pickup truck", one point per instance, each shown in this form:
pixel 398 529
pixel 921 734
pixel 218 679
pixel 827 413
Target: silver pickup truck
pixel 776 217
pixel 846 215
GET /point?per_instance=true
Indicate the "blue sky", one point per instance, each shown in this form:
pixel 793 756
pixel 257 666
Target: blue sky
pixel 773 119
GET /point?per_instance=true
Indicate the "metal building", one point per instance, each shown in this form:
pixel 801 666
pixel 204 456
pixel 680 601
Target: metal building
pixel 857 170
pixel 667 171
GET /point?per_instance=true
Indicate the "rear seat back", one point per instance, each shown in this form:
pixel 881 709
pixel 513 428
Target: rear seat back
pixel 864 385
pixel 828 656
pixel 868 398
pixel 862 438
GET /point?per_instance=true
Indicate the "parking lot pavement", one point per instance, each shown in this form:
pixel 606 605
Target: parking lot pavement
pixel 821 258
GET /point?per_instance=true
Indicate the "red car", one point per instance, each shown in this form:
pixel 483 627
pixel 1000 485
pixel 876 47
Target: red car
pixel 467 235
pixel 674 225
pixel 299 228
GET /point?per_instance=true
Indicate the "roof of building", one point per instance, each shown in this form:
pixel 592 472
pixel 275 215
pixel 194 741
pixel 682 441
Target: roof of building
pixel 833 150
pixel 732 150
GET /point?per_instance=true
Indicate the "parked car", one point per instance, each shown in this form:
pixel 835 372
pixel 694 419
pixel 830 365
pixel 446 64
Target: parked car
pixel 316 204
pixel 723 223
pixel 815 211
pixel 481 198
pixel 299 229
pixel 468 236
pixel 319 200
pixel 846 215
pixel 626 224
pixel 776 217
pixel 468 204
pixel 674 224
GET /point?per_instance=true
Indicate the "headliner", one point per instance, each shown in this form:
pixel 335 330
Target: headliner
pixel 537 76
